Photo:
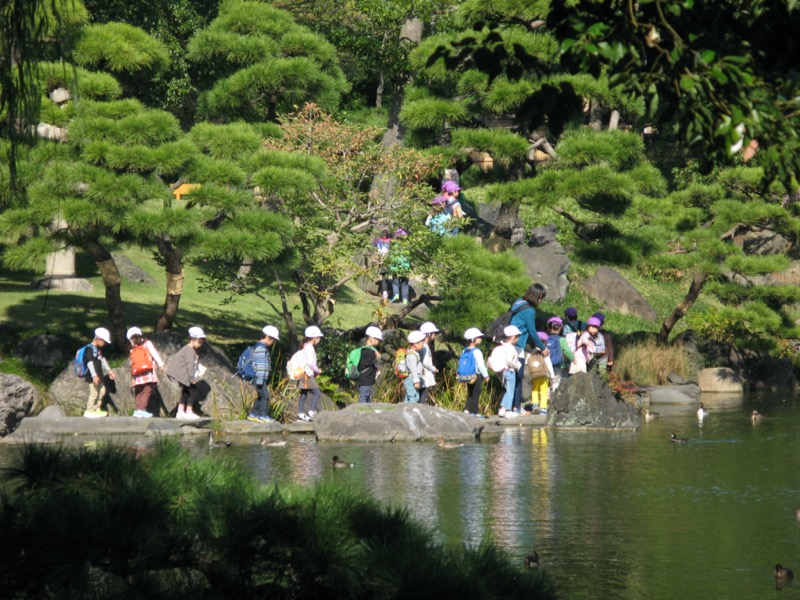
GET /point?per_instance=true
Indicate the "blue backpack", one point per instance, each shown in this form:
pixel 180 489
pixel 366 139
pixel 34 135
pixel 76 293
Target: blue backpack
pixel 554 345
pixel 244 366
pixel 467 371
pixel 79 364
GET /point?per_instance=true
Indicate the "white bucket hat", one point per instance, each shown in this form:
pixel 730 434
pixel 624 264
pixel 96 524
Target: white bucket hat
pixel 132 332
pixel 312 331
pixel 511 330
pixel 103 334
pixel 415 336
pixel 374 332
pixel 196 332
pixel 271 331
pixel 428 327
pixel 472 333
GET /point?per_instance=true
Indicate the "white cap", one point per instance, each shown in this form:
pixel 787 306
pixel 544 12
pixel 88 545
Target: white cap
pixel 271 331
pixel 103 333
pixel 312 331
pixel 374 332
pixel 428 327
pixel 132 332
pixel 196 332
pixel 472 333
pixel 415 336
pixel 511 330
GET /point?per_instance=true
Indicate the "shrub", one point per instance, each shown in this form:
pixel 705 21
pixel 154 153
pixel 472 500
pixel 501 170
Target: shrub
pixel 648 363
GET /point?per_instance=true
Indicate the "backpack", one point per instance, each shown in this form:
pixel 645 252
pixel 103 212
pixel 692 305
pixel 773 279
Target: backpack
pixel 351 366
pixel 495 329
pixel 599 343
pixel 400 364
pixel 296 367
pixel 554 345
pixel 141 361
pixel 79 364
pixel 572 341
pixel 537 367
pixel 497 360
pixel 467 371
pixel 244 366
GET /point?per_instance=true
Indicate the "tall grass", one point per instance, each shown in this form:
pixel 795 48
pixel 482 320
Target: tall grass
pixel 648 363
pixel 103 523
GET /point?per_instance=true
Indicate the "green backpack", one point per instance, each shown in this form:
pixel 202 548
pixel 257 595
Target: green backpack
pixel 351 366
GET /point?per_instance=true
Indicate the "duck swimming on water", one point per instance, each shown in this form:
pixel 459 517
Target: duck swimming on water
pixel 445 444
pixel 756 416
pixel 340 464
pixel 532 560
pixel 649 416
pixel 702 411
pixel 677 440
pixel 219 444
pixel 782 572
pixel 264 442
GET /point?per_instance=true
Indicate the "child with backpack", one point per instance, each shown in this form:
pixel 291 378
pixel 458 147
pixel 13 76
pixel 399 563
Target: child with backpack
pixel 95 368
pixel 307 383
pixel 185 369
pixel 573 328
pixel 261 367
pixel 540 370
pixel 429 371
pixel 561 355
pixel 587 344
pixel 144 379
pixel 413 381
pixel 472 370
pixel 504 360
pixel 604 353
pixel 369 363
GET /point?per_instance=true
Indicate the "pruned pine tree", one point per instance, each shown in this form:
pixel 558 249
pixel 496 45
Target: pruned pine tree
pixel 260 63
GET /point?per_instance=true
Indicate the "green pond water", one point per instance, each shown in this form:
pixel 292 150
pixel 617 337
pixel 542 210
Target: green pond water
pixel 612 515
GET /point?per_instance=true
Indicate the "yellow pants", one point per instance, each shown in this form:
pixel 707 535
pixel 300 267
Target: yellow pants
pixel 541 391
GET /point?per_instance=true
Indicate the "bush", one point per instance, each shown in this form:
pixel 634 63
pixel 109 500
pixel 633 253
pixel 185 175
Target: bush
pixel 648 363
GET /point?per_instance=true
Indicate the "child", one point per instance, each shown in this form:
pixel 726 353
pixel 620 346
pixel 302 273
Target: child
pixel 368 365
pixel 540 377
pixel 262 367
pixel 504 360
pixel 561 354
pixel 587 343
pixel 399 267
pixel 412 383
pixel 437 220
pixel 426 358
pixel 185 369
pixel 382 245
pixel 96 369
pixel 474 338
pixel 605 347
pixel 451 191
pixel 307 384
pixel 144 379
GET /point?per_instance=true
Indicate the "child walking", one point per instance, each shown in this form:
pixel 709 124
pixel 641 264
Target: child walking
pixel 369 363
pixel 262 368
pixel 504 360
pixel 474 338
pixel 96 368
pixel 185 369
pixel 144 378
pixel 307 384
pixel 429 371
pixel 541 372
pixel 412 383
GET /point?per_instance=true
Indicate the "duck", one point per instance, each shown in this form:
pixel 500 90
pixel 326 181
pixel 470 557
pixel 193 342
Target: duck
pixel 264 442
pixel 702 411
pixel 532 560
pixel 340 464
pixel 649 416
pixel 445 444
pixel 219 444
pixel 678 440
pixel 756 416
pixel 783 573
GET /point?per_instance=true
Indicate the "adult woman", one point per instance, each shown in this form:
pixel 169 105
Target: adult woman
pixel 524 318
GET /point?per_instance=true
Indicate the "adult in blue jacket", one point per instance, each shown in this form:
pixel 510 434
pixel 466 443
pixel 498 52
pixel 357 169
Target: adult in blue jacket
pixel 524 319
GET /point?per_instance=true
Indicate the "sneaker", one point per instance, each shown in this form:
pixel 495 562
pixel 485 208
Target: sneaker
pixel 510 414
pixel 95 414
pixel 303 417
pixel 395 298
pixel 542 411
pixel 405 301
pixel 502 412
pixel 312 414
pixel 181 416
pixel 142 414
pixel 190 416
pixel 254 418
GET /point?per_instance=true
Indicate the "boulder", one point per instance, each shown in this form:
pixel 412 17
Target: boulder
pixel 546 261
pixel 674 394
pixel 130 270
pixel 719 380
pixel 42 351
pixel 51 412
pixel 222 395
pixel 613 292
pixel 17 399
pixel 394 423
pixel 772 374
pixel 584 401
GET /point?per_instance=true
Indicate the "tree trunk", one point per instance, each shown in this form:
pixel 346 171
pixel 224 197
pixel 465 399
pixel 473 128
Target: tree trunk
pixel 680 311
pixel 410 32
pixel 379 92
pixel 173 259
pixel 112 282
pixel 506 220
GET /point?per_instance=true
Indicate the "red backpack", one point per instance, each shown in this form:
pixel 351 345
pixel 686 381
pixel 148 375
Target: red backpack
pixel 141 361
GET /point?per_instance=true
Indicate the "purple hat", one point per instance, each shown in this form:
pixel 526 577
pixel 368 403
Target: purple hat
pixel 594 321
pixel 600 317
pixel 555 320
pixel 400 232
pixel 450 186
pixel 438 200
pixel 571 313
pixel 542 336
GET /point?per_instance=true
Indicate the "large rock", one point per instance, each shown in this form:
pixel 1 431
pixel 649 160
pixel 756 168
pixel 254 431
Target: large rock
pixel 17 398
pixel 130 270
pixel 222 395
pixel 772 374
pixel 585 401
pixel 719 380
pixel 546 261
pixel 42 351
pixel 394 423
pixel 674 394
pixel 613 292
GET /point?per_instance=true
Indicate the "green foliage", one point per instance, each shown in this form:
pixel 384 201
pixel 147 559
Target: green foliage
pixel 503 145
pixel 119 47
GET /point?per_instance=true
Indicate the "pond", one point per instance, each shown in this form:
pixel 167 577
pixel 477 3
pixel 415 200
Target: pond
pixel 612 515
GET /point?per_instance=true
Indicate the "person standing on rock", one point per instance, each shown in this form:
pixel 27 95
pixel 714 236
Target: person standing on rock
pixel 587 344
pixel 262 367
pixel 561 355
pixel 524 319
pixel 429 371
pixel 96 370
pixel 185 369
pixel 573 327
pixel 605 356
pixel 307 384
pixel 413 382
pixel 505 361
pixel 474 337
pixel 144 379
pixel 369 363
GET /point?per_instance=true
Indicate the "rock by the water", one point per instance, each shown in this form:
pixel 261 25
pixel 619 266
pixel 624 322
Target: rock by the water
pixel 52 412
pixel 42 351
pixel 17 399
pixel 772 374
pixel 221 393
pixel 612 291
pixel 719 380
pixel 394 423
pixel 674 394
pixel 585 401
